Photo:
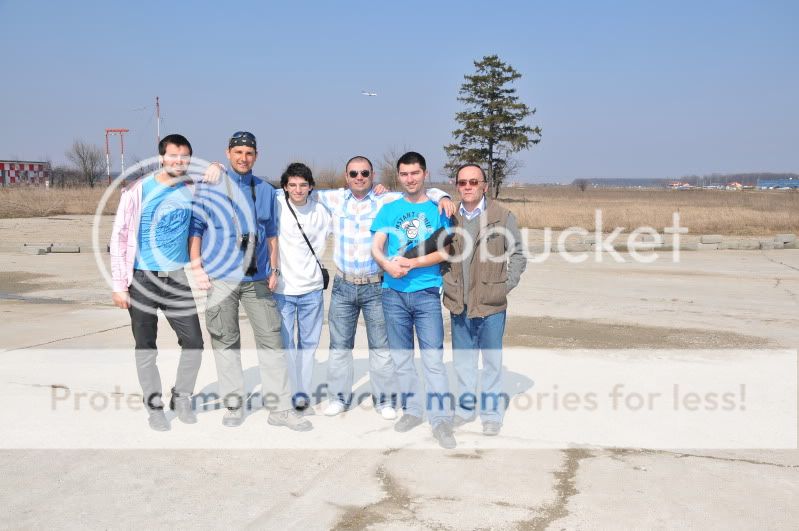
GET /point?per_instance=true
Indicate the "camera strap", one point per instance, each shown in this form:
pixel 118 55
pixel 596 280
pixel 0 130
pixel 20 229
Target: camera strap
pixel 248 252
pixel 288 204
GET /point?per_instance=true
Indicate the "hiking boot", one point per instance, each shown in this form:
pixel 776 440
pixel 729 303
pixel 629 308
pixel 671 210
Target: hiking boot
pixel 407 423
pixel 290 419
pixel 233 418
pixel 491 428
pixel 158 421
pixel 443 434
pixel 182 407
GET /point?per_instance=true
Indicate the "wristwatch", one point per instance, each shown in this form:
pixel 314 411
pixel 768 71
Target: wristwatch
pixel 276 271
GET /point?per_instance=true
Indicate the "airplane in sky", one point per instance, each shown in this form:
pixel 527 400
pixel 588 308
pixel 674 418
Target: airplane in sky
pixel 366 93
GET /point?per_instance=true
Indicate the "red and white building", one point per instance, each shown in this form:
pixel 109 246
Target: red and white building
pixel 23 172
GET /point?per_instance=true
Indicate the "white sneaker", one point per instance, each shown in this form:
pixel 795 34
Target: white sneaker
pixel 334 409
pixel 388 413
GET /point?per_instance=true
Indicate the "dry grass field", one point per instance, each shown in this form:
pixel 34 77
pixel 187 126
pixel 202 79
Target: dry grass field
pixel 702 211
pixel 35 201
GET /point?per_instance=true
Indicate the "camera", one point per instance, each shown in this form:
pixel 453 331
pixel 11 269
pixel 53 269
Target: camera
pixel 248 243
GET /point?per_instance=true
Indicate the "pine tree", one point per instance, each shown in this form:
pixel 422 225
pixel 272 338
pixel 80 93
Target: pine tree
pixel 492 126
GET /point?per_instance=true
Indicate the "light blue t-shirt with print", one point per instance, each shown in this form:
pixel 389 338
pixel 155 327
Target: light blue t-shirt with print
pixel 407 225
pixel 164 226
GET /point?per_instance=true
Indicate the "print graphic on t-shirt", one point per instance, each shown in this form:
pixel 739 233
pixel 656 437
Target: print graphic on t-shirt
pixel 411 223
pixel 170 218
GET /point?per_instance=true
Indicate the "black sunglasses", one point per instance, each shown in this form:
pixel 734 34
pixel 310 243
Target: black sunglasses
pixel 242 134
pixel 364 173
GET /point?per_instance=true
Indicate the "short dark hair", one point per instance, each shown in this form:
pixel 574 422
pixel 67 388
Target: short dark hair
pixel 412 157
pixel 297 169
pixel 470 165
pixel 359 157
pixel 175 140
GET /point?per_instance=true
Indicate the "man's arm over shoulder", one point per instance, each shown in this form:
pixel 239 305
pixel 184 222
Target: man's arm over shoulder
pixel 517 261
pixel 330 199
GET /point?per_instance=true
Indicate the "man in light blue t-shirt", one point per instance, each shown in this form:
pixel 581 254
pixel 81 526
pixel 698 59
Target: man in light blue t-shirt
pixel 411 298
pixel 149 249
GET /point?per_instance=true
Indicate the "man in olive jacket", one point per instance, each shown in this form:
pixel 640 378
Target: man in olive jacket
pixel 486 262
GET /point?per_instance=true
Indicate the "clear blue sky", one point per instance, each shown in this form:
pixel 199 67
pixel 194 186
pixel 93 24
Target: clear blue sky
pixel 622 88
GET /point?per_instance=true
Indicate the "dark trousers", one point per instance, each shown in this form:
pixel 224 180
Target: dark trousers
pixel 172 295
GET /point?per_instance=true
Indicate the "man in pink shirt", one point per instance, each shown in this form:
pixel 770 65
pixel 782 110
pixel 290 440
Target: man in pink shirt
pixel 149 249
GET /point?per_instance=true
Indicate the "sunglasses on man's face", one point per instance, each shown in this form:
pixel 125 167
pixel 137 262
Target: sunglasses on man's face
pixel 470 182
pixel 364 173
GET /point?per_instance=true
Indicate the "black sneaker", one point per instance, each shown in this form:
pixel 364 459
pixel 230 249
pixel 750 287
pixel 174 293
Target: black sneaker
pixel 157 420
pixel 407 423
pixel 443 434
pixel 182 407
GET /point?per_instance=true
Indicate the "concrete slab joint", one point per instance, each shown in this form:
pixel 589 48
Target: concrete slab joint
pixel 711 238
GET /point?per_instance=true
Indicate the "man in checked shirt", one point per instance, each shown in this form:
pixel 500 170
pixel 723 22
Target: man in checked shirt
pixel 357 287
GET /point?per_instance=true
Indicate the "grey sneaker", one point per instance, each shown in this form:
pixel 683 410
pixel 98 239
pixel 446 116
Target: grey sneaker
pixel 290 419
pixel 158 420
pixel 443 434
pixel 407 423
pixel 233 418
pixel 491 428
pixel 182 407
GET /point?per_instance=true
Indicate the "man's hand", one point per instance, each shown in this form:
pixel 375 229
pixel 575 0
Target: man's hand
pixel 447 206
pixel 405 263
pixel 201 278
pixel 379 189
pixel 396 267
pixel 121 299
pixel 272 281
pixel 213 174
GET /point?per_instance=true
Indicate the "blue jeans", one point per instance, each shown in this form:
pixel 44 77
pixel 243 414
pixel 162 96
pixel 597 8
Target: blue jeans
pixel 422 310
pixel 306 312
pixel 346 302
pixel 470 338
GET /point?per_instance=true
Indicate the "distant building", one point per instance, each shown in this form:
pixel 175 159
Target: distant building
pixel 23 172
pixel 772 184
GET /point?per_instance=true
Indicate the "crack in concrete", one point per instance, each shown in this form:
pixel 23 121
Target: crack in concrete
pixel 617 453
pixel 395 505
pixel 565 488
pixel 65 339
pixel 465 456
pixel 778 262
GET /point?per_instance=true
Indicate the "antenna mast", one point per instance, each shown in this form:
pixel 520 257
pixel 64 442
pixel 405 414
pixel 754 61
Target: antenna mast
pixel 158 117
pixel 121 133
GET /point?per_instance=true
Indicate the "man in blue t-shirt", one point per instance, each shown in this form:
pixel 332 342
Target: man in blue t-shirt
pixel 411 298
